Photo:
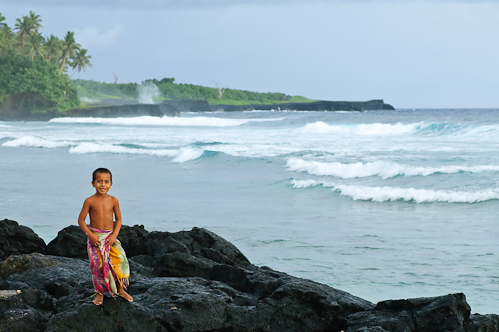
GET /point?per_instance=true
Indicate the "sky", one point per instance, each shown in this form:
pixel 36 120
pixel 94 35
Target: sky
pixel 410 53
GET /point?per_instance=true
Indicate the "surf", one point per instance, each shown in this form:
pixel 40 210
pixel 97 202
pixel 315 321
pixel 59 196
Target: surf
pixel 387 193
pixel 381 168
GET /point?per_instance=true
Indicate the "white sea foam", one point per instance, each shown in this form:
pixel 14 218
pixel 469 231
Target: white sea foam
pixel 383 169
pixel 371 129
pixel 386 193
pixel 32 141
pixel 187 154
pixel 199 121
pixel 181 155
pixel 87 147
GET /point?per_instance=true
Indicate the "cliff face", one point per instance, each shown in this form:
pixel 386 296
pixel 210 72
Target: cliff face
pixel 126 110
pixel 194 281
pixel 371 105
pixel 174 108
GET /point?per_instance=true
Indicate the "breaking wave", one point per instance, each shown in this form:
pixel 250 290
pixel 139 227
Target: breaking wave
pixel 383 169
pixel 384 194
pixel 38 142
pixel 373 129
pixel 388 129
pixel 181 155
pixel 199 121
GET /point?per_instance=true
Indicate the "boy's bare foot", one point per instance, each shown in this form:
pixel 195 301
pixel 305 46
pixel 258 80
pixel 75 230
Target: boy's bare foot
pixel 126 296
pixel 99 298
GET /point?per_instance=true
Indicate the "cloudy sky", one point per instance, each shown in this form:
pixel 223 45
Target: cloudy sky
pixel 411 53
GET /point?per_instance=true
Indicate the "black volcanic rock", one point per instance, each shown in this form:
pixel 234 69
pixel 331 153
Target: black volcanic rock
pixel 322 105
pixel 197 281
pixel 70 242
pixel 443 313
pixel 16 239
pixel 130 108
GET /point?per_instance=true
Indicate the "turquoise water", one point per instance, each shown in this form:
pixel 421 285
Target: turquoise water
pixel 394 204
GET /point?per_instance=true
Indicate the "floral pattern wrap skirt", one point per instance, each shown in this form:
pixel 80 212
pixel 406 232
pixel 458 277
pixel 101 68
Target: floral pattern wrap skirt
pixel 108 264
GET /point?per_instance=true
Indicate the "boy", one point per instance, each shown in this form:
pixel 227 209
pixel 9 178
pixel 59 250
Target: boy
pixel 108 262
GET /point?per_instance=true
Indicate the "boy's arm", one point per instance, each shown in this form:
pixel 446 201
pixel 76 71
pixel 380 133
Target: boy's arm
pixel 117 224
pixel 81 222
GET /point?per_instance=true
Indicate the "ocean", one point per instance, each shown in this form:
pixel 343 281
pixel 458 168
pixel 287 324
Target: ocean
pixel 381 204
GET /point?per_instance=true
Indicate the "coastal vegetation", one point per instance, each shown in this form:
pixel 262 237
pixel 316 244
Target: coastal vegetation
pixel 36 76
pixel 34 68
pixel 167 89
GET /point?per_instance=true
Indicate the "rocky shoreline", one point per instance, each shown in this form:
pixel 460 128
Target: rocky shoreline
pixel 131 108
pixel 194 281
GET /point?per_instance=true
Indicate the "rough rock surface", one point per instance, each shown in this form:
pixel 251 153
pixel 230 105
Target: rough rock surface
pixel 16 239
pixel 197 281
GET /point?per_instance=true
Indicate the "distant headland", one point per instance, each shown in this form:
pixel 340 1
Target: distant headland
pixel 36 85
pixel 174 108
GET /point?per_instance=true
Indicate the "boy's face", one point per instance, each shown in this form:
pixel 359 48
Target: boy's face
pixel 102 183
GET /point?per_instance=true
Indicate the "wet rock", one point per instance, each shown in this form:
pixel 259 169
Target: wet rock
pixel 198 244
pixel 16 239
pixel 113 315
pixel 483 323
pixel 22 320
pixel 443 313
pixel 69 242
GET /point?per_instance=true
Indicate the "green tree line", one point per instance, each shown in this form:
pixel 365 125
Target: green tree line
pixel 34 69
pixel 169 90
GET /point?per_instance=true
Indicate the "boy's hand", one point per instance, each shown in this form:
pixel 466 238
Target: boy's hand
pixel 94 239
pixel 112 239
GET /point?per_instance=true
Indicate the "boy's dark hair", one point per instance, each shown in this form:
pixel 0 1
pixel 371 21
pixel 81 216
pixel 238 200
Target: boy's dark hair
pixel 102 170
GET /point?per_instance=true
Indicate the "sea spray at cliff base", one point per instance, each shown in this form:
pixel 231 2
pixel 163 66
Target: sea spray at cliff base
pixel 385 204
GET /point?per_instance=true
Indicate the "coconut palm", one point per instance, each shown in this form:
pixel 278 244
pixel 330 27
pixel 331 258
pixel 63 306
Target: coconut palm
pixel 81 61
pixel 36 21
pixel 35 45
pixel 69 48
pixel 2 19
pixel 26 27
pixel 68 87
pixel 6 37
pixel 53 49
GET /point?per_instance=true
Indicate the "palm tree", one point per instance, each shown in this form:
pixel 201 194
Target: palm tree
pixel 69 48
pixel 53 48
pixel 23 27
pixel 81 61
pixel 36 21
pixel 35 45
pixel 69 88
pixel 2 19
pixel 6 37
pixel 26 27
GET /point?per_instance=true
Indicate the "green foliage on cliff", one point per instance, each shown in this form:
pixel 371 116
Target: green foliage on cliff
pixel 96 91
pixel 33 68
pixel 167 89
pixel 33 84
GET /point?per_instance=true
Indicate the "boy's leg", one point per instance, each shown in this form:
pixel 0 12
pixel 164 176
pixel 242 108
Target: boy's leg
pixel 99 298
pixel 119 263
pixel 123 294
pixel 97 273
